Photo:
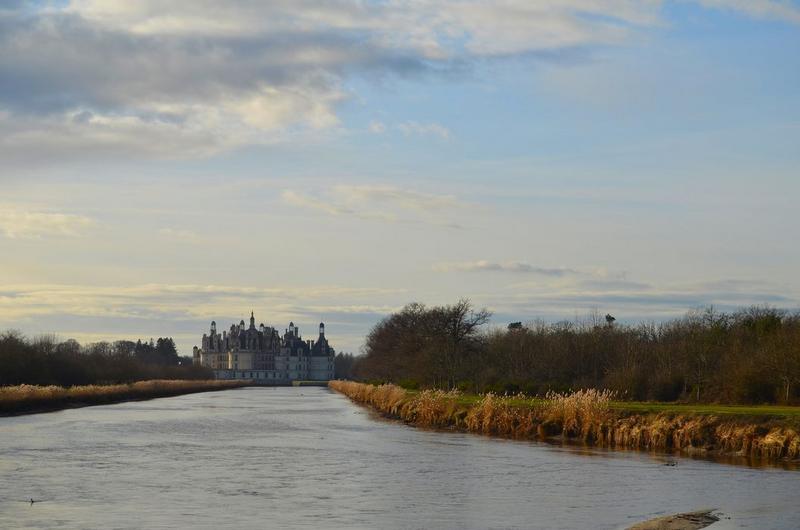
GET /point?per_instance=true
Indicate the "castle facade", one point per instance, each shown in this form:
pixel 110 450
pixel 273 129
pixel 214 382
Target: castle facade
pixel 265 356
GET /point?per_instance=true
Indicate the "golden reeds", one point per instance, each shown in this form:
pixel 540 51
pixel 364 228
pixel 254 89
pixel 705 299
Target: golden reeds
pixel 584 415
pixel 22 398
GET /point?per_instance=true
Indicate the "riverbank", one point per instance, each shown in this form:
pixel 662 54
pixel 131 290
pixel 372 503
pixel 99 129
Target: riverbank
pixel 592 418
pixel 32 399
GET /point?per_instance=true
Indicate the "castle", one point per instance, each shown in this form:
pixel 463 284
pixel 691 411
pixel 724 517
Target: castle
pixel 263 355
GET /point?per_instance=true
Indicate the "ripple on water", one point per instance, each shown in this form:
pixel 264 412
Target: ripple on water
pixel 245 457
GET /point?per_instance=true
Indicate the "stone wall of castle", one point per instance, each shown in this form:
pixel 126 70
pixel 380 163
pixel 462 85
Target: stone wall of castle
pixel 264 355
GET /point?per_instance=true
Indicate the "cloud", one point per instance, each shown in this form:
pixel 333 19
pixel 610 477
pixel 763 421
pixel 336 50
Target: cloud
pixel 382 203
pixel 513 267
pixel 634 300
pixel 300 200
pixel 36 139
pixel 424 129
pixel 392 195
pixel 430 27
pixel 22 224
pixel 91 312
pixel 412 128
pixel 377 127
pixel 87 84
pixel 769 9
pixel 188 78
pixel 179 234
pixel 185 300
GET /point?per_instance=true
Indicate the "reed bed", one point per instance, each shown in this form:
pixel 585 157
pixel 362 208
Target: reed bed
pixel 584 415
pixel 33 398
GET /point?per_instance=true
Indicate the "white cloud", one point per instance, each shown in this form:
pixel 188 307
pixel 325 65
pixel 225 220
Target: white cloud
pixel 383 203
pixel 424 129
pixel 179 234
pixel 488 26
pixel 187 78
pixel 512 266
pixel 301 200
pixel 377 127
pixel 275 108
pixel 45 138
pixel 186 300
pixel 16 223
pixel 411 199
pixel 183 311
pixel 576 296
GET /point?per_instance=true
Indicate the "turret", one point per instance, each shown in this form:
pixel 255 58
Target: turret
pixel 291 328
pixel 252 321
pixel 321 329
pixel 213 328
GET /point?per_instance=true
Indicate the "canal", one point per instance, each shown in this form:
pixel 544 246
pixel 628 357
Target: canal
pixel 309 458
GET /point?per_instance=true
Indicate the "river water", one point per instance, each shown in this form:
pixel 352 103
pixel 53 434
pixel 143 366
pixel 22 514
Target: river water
pixel 309 458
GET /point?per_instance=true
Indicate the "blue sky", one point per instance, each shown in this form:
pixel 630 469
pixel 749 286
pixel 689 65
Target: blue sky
pixel 169 163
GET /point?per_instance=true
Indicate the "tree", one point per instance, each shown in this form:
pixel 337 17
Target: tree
pixel 165 351
pixel 43 361
pixel 343 365
pixel 460 324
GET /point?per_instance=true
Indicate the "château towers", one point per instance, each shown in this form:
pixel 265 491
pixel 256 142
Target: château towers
pixel 264 354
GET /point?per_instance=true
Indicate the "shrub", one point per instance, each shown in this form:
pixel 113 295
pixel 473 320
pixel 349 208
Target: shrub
pixel 409 384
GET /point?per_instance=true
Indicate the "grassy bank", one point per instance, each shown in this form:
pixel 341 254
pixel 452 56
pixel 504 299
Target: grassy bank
pixel 26 399
pixel 768 433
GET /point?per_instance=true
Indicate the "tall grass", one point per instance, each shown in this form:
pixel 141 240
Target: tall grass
pixel 582 413
pixel 22 398
pixel 585 415
pixel 434 408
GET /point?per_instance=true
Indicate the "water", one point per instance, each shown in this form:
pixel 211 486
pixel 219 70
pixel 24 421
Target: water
pixel 308 458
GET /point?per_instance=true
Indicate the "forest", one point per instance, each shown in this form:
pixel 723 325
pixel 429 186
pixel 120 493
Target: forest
pixel 46 361
pixel 748 356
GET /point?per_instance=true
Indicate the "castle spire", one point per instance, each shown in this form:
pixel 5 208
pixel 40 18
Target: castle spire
pixel 252 320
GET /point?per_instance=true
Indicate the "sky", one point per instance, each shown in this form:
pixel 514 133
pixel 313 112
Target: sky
pixel 168 163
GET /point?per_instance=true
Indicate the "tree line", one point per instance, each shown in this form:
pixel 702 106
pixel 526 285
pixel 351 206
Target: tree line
pixel 47 361
pixel 748 356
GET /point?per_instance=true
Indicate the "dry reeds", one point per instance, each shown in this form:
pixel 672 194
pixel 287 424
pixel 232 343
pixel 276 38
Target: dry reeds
pixel 582 414
pixel 585 415
pixel 25 398
pixel 494 414
pixel 385 398
pixel 433 408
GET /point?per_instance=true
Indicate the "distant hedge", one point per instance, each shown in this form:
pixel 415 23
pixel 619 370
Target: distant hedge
pixel 45 361
pixel 749 356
